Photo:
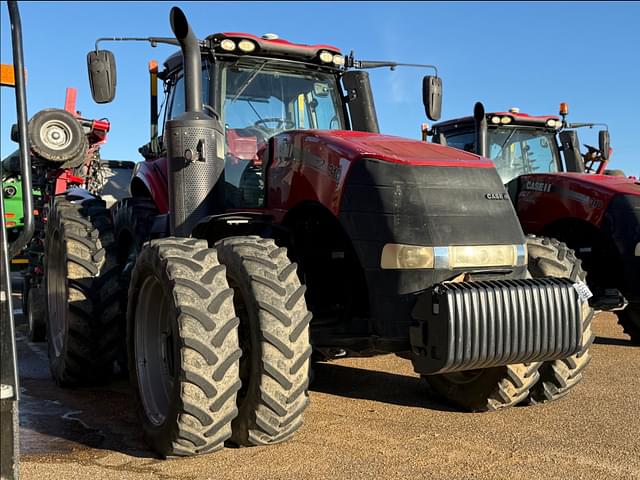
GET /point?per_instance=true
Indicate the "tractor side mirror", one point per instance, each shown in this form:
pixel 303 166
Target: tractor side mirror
pixel 432 96
pixel 604 143
pixel 101 65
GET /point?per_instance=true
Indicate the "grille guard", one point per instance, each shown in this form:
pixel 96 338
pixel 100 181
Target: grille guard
pixel 472 325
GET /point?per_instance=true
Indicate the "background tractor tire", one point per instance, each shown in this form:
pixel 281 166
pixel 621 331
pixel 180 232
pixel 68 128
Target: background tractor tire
pixel 486 389
pixel 550 258
pixel 34 311
pixel 81 288
pixel 56 136
pixel 183 347
pixel 132 222
pixel 274 337
pixel 629 318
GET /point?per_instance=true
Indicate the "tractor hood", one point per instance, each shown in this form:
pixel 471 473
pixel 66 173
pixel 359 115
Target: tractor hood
pixel 355 145
pixel 599 185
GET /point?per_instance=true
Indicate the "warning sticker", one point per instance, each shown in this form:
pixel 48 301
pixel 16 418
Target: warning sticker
pixel 583 291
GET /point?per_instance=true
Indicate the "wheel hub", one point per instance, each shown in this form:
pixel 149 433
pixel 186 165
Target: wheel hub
pixel 56 135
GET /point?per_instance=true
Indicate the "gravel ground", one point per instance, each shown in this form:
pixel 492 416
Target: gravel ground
pixel 368 418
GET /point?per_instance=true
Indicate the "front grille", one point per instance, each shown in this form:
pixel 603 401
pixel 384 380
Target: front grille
pixel 471 325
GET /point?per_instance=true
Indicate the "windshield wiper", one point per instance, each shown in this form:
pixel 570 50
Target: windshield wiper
pixel 511 133
pixel 249 80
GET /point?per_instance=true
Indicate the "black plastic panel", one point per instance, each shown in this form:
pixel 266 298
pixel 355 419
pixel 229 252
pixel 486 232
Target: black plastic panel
pixel 471 325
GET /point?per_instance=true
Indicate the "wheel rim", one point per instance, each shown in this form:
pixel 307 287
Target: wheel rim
pixel 56 135
pixel 155 350
pixel 56 293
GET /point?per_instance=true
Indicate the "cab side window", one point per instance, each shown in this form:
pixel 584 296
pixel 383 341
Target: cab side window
pixel 177 106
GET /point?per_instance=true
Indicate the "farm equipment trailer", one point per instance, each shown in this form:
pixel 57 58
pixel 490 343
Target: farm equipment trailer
pixel 272 197
pixel 561 193
pixel 65 152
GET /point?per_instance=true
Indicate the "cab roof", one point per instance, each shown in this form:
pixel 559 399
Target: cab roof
pixel 264 47
pixel 517 118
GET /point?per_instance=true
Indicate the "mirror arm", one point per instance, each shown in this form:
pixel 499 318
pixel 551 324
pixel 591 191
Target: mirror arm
pixel 154 41
pixel 368 64
pixel 590 125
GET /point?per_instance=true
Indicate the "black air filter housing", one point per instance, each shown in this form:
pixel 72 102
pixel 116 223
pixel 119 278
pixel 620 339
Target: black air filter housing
pixel 472 325
pixel 195 150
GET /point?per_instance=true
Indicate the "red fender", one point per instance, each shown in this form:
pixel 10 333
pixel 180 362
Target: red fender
pixel 153 176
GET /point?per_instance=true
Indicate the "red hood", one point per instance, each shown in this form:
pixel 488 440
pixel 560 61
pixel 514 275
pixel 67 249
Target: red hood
pixel 613 184
pixel 392 149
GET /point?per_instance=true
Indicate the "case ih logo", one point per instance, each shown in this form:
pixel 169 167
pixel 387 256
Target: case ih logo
pixel 496 196
pixel 537 186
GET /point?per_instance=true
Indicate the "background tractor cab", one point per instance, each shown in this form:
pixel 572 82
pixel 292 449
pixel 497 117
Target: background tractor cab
pixel 562 193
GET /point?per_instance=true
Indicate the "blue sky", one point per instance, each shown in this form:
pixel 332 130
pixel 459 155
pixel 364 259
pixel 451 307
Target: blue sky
pixel 529 55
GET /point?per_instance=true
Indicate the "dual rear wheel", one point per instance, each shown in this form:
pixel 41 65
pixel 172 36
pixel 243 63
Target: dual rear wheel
pixel 218 344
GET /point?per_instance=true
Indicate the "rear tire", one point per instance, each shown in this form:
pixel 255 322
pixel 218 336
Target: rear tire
pixel 183 347
pixel 629 318
pixel 550 258
pixel 274 336
pixel 81 289
pixel 132 222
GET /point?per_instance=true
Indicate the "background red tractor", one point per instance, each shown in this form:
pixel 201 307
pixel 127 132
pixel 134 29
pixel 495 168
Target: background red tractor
pixel 272 195
pixel 562 193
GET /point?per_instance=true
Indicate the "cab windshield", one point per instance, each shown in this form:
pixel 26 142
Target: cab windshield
pixel 518 151
pixel 261 98
pixel 264 97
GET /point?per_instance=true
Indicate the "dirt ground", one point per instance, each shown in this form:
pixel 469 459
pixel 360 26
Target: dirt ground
pixel 369 418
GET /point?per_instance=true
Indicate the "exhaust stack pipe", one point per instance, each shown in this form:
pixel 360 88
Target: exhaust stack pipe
pixel 481 129
pixel 196 173
pixel 192 62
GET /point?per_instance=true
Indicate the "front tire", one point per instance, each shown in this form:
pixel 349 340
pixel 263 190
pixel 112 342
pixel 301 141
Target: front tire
pixel 550 258
pixel 486 389
pixel 183 347
pixel 274 336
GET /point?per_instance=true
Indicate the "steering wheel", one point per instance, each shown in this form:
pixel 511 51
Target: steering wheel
pixel 281 124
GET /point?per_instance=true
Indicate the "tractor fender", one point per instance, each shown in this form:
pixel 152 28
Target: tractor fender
pixel 150 179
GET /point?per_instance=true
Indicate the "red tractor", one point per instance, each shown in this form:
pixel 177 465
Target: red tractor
pixel 272 197
pixel 561 193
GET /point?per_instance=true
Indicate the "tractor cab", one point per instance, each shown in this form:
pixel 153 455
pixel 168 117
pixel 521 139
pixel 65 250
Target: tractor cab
pixel 522 144
pixel 254 88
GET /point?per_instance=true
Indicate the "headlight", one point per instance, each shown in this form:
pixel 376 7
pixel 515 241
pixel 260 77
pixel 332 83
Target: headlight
pixel 483 256
pixel 506 120
pixel 495 119
pixel 551 123
pixel 246 46
pixel 228 45
pixel 338 60
pixel 406 256
pixel 326 57
pixel 397 256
